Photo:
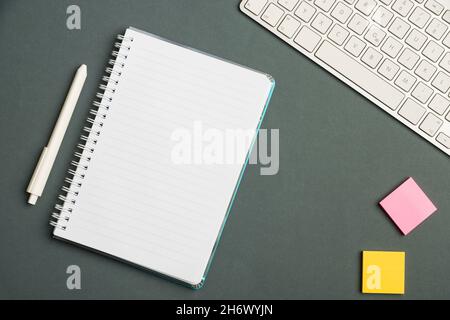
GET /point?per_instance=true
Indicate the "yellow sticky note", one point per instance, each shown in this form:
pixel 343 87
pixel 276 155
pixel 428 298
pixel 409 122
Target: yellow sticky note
pixel 383 272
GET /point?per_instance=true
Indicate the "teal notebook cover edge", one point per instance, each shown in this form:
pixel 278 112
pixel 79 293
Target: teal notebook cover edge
pixel 241 175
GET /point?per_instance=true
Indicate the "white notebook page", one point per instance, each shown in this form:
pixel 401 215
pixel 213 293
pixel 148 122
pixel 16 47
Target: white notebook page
pixel 135 203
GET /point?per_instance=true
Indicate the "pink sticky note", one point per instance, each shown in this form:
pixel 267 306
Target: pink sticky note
pixel 408 206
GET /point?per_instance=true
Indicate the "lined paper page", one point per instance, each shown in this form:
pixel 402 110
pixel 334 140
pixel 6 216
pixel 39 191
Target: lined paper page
pixel 135 202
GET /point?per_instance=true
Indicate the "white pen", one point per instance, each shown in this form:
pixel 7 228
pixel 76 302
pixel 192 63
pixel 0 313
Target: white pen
pixel 48 155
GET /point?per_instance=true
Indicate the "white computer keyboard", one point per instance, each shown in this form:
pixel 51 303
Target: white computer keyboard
pixel 394 52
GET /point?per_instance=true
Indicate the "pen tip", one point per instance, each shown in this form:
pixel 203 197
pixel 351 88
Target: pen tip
pixel 83 68
pixel 32 199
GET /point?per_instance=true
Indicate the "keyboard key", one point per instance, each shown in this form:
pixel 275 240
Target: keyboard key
pixel 289 26
pixel 391 47
pixel 307 39
pixel 272 15
pixel 288 4
pixel 358 74
pixel 355 46
pixel 444 140
pixel 341 12
pixel 408 58
pixel 365 6
pixel 419 17
pixel 399 28
pixel 382 16
pixel 416 39
pixel 441 82
pixel 439 104
pixel 338 34
pixel 358 24
pixel 255 6
pixel 305 11
pixel 386 2
pixel 445 62
pixel 433 51
pixel 325 5
pixel 403 7
pixel 375 36
pixel 422 92
pixel 321 23
pixel 436 29
pixel 405 81
pixel 425 70
pixel 431 124
pixel 446 16
pixel 372 57
pixel 446 41
pixel 412 111
pixel 434 7
pixel 388 69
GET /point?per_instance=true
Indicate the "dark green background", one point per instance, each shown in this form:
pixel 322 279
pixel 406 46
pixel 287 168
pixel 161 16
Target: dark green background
pixel 297 234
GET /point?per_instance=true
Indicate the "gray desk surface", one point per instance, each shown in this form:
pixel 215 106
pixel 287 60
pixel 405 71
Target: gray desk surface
pixel 297 234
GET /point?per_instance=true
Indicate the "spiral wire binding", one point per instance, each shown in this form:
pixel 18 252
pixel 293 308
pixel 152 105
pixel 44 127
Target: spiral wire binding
pixel 77 171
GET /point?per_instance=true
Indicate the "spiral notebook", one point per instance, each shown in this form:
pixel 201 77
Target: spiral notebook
pixel 128 194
